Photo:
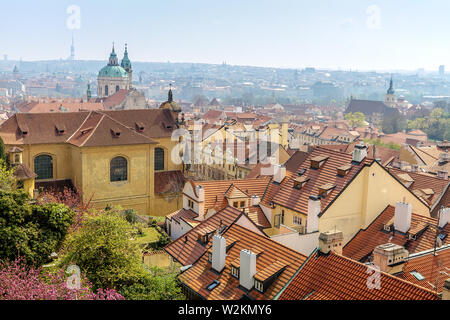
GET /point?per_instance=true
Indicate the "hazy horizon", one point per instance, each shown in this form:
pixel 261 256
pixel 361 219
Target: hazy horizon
pixel 357 35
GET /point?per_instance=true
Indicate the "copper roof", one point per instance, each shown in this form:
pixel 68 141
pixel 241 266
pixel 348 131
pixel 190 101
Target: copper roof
pixel 335 277
pixel 274 255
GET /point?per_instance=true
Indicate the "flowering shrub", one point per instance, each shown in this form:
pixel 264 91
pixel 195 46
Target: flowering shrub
pixel 20 282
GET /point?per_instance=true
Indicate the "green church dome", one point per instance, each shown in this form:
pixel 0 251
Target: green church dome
pixel 113 71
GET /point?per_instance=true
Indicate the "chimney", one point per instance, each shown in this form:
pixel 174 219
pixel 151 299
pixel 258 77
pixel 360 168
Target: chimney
pixel 442 174
pixel 247 269
pixel 402 217
pixel 331 241
pixel 254 201
pixel 359 153
pixel 312 220
pixel 414 168
pixel 446 290
pixel 219 251
pixel 390 257
pixel 200 193
pixel 444 217
pixel 280 173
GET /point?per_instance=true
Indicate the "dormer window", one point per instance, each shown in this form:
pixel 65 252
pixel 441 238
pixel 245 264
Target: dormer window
pixel 235 272
pixel 318 161
pixel 343 170
pixel 60 129
pixel 325 189
pixel 259 286
pixel 140 126
pixel 116 132
pixel 300 182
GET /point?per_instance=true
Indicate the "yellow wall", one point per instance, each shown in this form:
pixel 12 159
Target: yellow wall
pixel 360 203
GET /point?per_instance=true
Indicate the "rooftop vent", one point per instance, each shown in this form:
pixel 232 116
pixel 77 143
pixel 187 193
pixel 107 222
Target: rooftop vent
pixel 343 170
pixel 115 132
pixel 300 182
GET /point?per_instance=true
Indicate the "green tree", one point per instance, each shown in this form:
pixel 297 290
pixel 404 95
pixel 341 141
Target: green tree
pixel 356 119
pixel 32 232
pixel 7 179
pixel 105 250
pixel 3 155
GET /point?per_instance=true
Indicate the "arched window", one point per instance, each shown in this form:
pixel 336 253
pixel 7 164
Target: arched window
pixel 118 169
pixel 159 159
pixel 43 167
pixel 117 88
pixel 106 90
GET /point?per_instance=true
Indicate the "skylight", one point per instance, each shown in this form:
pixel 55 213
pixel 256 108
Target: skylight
pixel 417 275
pixel 213 285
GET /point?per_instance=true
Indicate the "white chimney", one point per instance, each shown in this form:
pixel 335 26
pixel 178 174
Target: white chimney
pixel 402 217
pixel 200 193
pixel 312 220
pixel 255 200
pixel 247 269
pixel 442 174
pixel 444 217
pixel 359 153
pixel 219 252
pixel 280 173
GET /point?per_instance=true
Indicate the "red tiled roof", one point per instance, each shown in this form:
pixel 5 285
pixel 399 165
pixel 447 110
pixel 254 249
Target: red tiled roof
pixel 187 252
pixel 182 214
pixel 272 256
pixel 364 242
pixel 433 268
pixel 421 183
pixel 335 277
pixel 297 200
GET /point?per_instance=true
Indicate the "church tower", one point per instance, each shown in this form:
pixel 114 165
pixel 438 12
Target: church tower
pixel 126 64
pixel 390 100
pixel 114 77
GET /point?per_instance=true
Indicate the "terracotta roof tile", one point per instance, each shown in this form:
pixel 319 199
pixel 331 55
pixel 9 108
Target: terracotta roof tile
pixel 187 252
pixel 200 275
pixel 361 246
pixel 335 277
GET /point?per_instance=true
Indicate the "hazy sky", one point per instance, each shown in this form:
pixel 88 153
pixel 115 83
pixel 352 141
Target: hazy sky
pixel 345 34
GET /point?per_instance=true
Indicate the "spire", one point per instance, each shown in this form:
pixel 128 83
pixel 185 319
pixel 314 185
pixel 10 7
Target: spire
pixel 113 58
pixel 126 63
pixel 391 87
pixel 170 94
pixel 88 93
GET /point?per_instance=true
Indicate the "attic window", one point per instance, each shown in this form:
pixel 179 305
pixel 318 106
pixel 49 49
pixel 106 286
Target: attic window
pixel 259 286
pixel 140 126
pixel 342 171
pixel 213 285
pixel 235 272
pixel 325 189
pixel 300 182
pixel 60 129
pixel 23 129
pixel 318 161
pixel 417 275
pixel 115 132
pixel 86 130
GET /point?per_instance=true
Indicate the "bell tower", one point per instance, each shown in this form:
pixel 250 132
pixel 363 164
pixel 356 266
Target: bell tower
pixel 390 99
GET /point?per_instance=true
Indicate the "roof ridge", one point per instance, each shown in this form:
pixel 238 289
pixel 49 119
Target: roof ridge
pixel 93 129
pixel 81 125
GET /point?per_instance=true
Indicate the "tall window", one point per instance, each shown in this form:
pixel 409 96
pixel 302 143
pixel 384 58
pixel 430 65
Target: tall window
pixel 106 90
pixel 159 159
pixel 118 169
pixel 43 166
pixel 117 88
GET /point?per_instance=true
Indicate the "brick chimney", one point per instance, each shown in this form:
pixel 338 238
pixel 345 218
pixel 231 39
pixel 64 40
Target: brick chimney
pixel 390 257
pixel 446 290
pixel 331 241
pixel 219 252
pixel 312 220
pixel 402 217
pixel 247 269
